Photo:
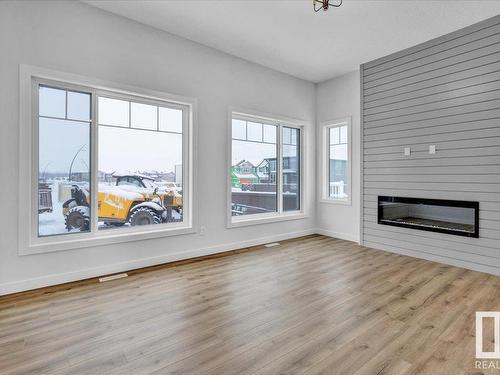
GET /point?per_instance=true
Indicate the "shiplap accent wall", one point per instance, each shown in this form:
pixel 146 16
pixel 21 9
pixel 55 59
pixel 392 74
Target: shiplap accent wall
pixel 445 92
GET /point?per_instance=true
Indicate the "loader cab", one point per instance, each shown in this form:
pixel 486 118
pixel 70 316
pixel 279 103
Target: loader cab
pixel 136 181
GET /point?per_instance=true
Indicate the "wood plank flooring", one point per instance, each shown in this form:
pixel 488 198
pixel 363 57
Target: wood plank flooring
pixel 314 305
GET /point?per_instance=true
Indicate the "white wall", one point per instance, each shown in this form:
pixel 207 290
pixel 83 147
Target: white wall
pixel 76 38
pixel 336 99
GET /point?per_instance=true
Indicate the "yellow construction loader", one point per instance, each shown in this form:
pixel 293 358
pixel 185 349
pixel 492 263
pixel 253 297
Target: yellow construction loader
pixel 133 199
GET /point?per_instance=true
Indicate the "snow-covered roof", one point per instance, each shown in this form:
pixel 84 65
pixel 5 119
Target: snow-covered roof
pixel 244 162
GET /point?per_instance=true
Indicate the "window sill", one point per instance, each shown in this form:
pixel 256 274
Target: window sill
pixel 102 240
pixel 343 202
pixel 265 218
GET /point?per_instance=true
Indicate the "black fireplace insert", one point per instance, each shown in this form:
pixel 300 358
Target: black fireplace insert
pixel 436 215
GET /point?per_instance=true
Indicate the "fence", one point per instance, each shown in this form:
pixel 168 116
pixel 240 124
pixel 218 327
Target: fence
pixel 337 189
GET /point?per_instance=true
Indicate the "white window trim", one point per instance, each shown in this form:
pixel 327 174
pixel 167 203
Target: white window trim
pixel 29 242
pixel 252 115
pixel 325 173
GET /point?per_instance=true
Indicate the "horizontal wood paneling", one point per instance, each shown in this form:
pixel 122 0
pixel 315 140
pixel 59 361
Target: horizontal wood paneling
pixel 480 129
pixel 446 93
pixel 468 76
pixel 461 106
pixel 431 161
pixel 437 169
pixel 434 90
pixel 458 120
pixel 450 178
pixel 452 40
pixel 464 53
pixel 434 100
pixel 485 59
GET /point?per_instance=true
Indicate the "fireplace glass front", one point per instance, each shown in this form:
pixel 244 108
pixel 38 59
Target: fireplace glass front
pixel 437 215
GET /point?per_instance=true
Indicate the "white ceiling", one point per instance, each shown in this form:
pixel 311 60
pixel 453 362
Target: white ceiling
pixel 288 36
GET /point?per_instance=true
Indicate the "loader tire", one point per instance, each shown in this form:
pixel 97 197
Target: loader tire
pixel 77 218
pixel 144 216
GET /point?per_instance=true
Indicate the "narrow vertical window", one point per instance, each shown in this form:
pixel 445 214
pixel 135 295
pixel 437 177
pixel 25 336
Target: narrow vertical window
pixel 337 164
pixel 64 118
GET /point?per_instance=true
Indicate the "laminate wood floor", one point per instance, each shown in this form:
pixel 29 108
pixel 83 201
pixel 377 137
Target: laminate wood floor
pixel 314 305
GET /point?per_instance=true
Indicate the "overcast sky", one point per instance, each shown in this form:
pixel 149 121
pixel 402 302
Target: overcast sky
pixel 127 149
pixel 119 149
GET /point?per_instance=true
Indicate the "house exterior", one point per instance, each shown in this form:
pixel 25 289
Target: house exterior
pixel 266 170
pixel 243 173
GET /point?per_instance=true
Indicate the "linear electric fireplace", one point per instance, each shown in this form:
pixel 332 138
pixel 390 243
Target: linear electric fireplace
pixel 437 215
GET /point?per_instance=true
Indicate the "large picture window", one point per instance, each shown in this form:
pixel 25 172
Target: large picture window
pixel 337 171
pixel 107 162
pixel 265 170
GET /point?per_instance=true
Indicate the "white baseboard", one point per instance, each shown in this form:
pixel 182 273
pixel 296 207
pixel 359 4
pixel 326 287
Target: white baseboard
pixel 61 278
pixel 436 258
pixel 339 235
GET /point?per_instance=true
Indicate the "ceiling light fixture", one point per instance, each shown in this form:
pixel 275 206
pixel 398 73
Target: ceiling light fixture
pixel 325 4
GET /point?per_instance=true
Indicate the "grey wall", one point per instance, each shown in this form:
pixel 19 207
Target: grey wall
pixel 76 38
pixel 445 92
pixel 336 99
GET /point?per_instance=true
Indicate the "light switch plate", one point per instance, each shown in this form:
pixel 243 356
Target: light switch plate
pixel 432 149
pixel 407 151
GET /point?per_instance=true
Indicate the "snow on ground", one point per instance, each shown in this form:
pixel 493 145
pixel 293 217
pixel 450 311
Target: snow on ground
pixel 52 223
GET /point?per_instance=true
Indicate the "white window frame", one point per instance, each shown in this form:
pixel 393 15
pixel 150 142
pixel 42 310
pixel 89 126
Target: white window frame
pixel 325 161
pixel 29 241
pixel 279 215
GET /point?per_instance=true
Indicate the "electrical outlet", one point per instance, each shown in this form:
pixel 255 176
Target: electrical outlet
pixel 432 149
pixel 407 151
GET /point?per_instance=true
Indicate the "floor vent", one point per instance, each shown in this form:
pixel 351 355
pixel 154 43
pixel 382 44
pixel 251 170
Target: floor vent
pixel 272 244
pixel 112 277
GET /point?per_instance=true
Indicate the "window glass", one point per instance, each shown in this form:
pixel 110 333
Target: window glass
pixel 63 165
pixel 291 171
pixel 143 116
pixel 253 174
pixel 137 148
pixel 343 134
pixel 51 102
pixel 286 136
pixel 338 163
pixel 294 134
pixel 123 181
pixel 254 131
pixel 256 170
pixel 78 106
pixel 170 120
pixel 334 136
pixel 269 133
pixel 239 129
pixel 149 160
pixel 113 112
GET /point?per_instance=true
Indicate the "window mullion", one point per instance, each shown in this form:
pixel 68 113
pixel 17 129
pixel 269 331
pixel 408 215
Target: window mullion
pixel 328 148
pixel 279 169
pixel 94 157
